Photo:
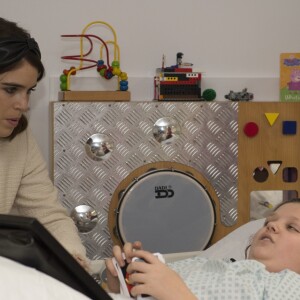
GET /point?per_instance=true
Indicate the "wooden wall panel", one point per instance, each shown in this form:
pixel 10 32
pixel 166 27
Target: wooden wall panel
pixel 270 144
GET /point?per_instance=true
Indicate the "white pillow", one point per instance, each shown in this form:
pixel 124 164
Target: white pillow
pixel 234 244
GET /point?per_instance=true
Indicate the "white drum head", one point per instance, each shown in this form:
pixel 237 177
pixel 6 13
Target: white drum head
pixel 168 211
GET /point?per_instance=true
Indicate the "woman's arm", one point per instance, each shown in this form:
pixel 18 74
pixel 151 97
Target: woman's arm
pixel 37 197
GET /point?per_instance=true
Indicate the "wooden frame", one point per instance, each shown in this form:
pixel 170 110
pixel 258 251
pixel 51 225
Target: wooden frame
pixel 270 144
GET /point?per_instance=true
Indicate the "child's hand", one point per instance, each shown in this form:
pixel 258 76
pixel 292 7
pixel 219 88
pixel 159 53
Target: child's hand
pixel 156 279
pixel 127 253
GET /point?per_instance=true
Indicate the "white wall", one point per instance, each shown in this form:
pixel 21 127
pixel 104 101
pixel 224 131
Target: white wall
pixel 236 43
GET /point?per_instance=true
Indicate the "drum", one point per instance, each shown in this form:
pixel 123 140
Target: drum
pixel 168 210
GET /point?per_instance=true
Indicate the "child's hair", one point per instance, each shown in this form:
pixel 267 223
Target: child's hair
pixel 16 45
pixel 293 200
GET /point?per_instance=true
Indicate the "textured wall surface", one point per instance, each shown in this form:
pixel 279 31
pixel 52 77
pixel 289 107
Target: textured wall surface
pixel 207 142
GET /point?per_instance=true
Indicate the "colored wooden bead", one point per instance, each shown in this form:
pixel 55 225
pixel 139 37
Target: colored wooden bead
pixel 116 71
pixel 63 78
pixel 100 62
pixel 115 63
pixel 63 86
pixel 123 76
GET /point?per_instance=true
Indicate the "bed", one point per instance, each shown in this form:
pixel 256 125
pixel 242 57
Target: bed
pixel 231 246
pixel 19 281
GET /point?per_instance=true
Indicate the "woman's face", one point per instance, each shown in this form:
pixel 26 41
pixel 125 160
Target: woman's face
pixel 277 244
pixel 15 88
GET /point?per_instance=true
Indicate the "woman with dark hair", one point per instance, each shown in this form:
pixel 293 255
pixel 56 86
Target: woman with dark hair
pixel 25 186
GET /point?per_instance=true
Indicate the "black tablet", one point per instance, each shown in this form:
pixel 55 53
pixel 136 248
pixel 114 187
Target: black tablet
pixel 28 242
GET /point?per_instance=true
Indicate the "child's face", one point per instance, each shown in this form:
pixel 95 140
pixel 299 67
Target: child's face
pixel 277 244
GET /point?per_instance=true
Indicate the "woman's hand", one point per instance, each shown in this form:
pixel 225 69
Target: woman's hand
pixel 83 261
pixel 127 253
pixel 154 278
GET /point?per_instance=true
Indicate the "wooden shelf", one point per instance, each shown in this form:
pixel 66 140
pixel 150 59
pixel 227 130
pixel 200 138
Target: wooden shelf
pixel 94 96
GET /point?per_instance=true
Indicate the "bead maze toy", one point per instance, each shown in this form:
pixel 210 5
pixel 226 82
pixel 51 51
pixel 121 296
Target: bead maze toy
pixel 180 82
pixel 105 69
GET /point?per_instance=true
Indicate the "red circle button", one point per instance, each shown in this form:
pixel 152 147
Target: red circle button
pixel 251 129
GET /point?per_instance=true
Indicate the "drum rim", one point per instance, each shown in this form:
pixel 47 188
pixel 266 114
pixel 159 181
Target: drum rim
pixel 146 174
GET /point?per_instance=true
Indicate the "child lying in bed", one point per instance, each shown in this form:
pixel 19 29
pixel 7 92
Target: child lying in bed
pixel 271 270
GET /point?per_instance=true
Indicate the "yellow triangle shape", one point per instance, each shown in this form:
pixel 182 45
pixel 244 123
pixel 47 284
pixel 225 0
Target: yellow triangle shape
pixel 271 117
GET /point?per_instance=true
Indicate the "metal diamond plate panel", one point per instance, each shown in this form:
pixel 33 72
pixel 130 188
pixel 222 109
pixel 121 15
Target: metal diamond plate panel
pixel 207 142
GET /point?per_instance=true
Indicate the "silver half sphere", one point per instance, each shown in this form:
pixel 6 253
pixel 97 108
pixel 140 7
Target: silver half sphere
pixel 85 218
pixel 99 147
pixel 166 130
